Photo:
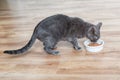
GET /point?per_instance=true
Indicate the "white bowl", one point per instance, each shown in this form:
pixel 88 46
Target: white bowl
pixel 94 48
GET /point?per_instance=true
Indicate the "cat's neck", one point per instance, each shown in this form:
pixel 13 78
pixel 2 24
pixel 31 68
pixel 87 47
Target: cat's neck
pixel 87 24
pixel 78 27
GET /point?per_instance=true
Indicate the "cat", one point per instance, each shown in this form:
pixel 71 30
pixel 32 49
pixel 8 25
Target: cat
pixel 59 27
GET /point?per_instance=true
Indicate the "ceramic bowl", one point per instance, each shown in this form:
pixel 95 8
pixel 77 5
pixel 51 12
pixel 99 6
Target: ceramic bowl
pixel 94 48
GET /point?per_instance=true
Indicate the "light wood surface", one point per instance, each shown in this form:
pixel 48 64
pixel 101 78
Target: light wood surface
pixel 17 21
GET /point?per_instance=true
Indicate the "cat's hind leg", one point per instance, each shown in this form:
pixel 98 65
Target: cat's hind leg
pixel 49 44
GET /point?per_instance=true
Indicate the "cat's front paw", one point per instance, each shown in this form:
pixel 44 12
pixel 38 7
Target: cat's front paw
pixel 54 52
pixel 77 48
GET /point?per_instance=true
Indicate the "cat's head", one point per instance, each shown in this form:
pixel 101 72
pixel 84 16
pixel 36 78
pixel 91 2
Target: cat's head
pixel 93 32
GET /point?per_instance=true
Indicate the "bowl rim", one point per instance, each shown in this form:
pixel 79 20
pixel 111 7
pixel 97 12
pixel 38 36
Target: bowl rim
pixel 100 40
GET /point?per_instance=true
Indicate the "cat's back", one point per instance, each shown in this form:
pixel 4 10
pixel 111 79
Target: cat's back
pixel 54 25
pixel 55 19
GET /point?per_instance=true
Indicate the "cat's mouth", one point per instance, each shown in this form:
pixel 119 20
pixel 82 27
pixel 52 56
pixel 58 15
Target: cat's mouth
pixel 94 41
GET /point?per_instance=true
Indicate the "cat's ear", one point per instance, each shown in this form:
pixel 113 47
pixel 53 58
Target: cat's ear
pixel 99 25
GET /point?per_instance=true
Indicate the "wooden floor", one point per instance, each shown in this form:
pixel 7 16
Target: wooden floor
pixel 17 21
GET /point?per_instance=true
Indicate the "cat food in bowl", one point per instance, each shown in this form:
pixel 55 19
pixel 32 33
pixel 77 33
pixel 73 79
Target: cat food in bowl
pixel 93 44
pixel 94 47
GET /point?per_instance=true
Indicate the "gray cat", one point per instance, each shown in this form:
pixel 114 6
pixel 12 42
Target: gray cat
pixel 61 27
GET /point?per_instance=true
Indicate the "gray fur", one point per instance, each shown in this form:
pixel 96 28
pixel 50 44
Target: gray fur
pixel 61 27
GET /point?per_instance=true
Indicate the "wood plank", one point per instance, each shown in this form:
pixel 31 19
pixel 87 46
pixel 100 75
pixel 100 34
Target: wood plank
pixel 18 19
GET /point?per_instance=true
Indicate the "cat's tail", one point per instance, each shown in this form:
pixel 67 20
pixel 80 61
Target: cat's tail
pixel 23 49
